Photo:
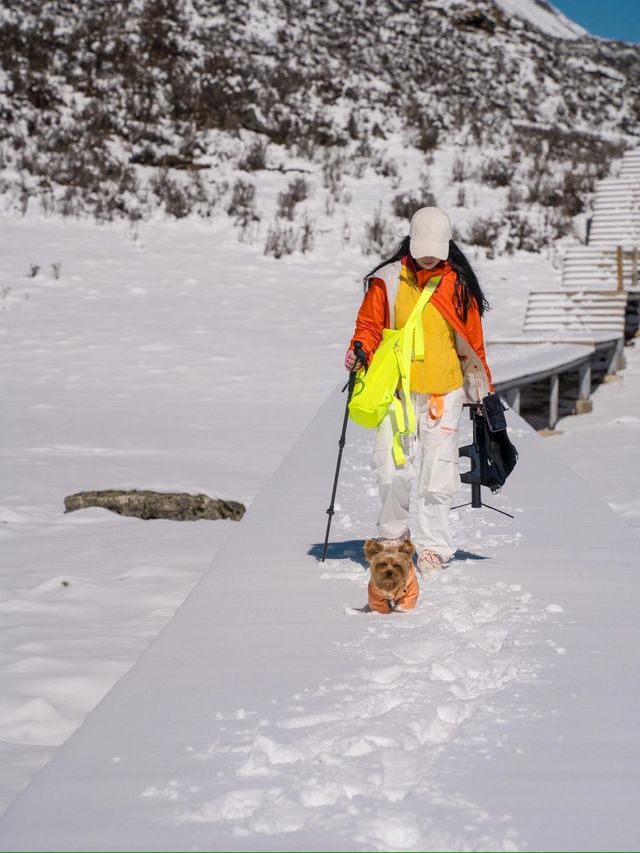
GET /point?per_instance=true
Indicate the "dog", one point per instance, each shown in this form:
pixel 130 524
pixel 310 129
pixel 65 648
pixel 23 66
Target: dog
pixel 393 584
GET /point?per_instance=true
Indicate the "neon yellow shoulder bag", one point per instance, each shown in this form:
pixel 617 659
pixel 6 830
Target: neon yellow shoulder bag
pixel 375 390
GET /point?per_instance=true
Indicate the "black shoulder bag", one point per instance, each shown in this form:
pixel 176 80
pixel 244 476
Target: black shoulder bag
pixel 492 453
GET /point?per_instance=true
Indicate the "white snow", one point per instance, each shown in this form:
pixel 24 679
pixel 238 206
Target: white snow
pixel 179 359
pixel 520 359
pixel 543 16
pixel 265 719
pixel 604 445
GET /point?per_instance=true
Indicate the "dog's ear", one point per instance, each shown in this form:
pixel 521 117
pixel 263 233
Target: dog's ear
pixel 371 548
pixel 407 547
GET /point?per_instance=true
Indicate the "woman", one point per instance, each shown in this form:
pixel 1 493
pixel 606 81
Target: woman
pixel 454 369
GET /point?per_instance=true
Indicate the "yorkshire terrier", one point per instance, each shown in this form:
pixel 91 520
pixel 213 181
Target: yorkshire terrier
pixel 393 584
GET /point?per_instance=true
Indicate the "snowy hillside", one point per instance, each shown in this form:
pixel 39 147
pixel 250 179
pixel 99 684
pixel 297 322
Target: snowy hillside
pixel 219 109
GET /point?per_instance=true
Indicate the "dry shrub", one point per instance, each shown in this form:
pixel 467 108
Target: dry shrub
pixel 297 190
pixel 379 235
pixel 404 205
pixel 255 157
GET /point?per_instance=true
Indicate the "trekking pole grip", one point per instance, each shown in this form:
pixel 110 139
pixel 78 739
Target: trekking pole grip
pixel 358 351
pixel 361 360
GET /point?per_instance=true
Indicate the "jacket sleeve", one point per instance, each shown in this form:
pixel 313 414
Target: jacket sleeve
pixel 475 335
pixel 372 318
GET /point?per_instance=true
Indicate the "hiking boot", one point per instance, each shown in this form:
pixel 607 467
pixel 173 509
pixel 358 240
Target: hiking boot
pixel 394 543
pixel 430 561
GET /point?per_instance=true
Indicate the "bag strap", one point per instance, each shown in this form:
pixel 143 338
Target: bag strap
pixel 393 275
pixel 412 344
pixel 421 304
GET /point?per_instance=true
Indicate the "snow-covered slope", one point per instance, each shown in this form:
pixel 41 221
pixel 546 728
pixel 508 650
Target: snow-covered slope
pixel 136 359
pixel 543 17
pixel 180 106
pixel 269 715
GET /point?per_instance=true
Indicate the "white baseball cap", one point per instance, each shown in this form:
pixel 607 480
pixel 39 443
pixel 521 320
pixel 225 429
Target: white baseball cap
pixel 430 232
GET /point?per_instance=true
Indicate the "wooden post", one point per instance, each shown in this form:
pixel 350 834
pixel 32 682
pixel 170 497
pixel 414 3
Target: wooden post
pixel 512 397
pixel 583 403
pixel 620 267
pixel 634 268
pixel 554 397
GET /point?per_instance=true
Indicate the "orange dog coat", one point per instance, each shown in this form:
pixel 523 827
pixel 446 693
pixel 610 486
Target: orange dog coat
pixel 406 599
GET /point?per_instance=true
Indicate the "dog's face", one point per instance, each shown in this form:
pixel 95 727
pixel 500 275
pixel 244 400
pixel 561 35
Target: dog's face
pixel 390 566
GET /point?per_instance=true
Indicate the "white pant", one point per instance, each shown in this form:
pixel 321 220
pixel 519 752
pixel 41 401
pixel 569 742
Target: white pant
pixel 436 445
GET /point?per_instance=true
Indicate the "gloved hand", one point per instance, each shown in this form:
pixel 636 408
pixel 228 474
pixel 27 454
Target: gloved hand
pixel 350 360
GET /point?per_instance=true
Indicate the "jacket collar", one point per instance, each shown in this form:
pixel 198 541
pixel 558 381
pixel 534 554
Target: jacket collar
pixel 423 276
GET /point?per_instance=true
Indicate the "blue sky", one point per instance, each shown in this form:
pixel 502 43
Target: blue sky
pixel 615 19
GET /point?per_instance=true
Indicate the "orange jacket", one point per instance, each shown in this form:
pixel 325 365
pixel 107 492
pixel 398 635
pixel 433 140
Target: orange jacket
pixel 375 314
pixel 407 599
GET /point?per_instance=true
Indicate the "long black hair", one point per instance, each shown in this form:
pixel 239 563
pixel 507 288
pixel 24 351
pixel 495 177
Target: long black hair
pixel 467 284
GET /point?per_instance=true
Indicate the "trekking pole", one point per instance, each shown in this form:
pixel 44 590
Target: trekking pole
pixel 361 359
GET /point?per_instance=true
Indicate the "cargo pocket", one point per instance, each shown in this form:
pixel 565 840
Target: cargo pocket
pixel 382 459
pixel 439 471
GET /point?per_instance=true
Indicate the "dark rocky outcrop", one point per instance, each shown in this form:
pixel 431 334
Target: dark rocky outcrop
pixel 145 504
